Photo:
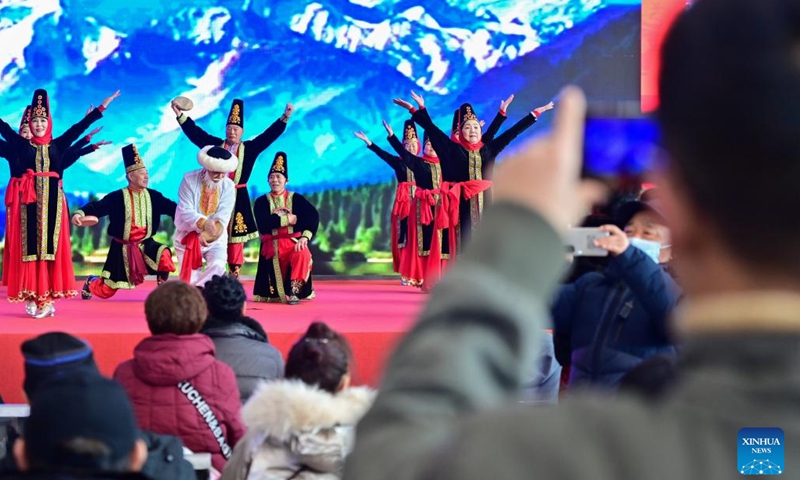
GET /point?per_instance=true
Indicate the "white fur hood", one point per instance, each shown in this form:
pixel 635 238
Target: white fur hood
pixel 285 407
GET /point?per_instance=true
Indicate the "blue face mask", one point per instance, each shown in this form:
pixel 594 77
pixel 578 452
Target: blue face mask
pixel 650 248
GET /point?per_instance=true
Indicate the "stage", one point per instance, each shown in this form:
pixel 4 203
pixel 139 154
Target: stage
pixel 372 314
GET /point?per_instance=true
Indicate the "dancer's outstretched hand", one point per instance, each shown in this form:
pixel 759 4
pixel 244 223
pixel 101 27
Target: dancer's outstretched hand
pixel 388 128
pixel 92 134
pixel 505 103
pixel 543 109
pixel 175 108
pixel 418 98
pixel 76 220
pixel 287 112
pixel 101 143
pixel 403 103
pixel 363 137
pixel 110 99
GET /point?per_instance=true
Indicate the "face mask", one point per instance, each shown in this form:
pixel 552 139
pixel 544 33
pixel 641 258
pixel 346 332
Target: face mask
pixel 649 248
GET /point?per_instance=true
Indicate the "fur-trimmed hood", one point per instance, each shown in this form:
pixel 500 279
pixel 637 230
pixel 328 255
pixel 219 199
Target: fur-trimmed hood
pixel 285 407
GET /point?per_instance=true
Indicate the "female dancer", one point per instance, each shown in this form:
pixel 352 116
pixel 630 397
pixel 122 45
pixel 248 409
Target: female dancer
pixel 45 271
pixel 402 203
pixel 469 160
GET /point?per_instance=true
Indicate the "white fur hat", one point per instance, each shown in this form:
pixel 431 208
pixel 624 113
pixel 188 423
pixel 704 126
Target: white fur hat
pixel 217 159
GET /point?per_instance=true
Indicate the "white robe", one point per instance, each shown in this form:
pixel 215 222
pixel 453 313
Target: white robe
pixel 188 214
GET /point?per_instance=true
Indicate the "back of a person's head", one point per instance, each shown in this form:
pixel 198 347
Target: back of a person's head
pixel 175 307
pixel 55 355
pixel 81 426
pixel 322 358
pixel 225 297
pixel 730 116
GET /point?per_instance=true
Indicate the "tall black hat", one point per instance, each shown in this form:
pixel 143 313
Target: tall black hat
pixel 131 158
pixel 454 128
pixel 236 115
pixel 280 165
pixel 465 114
pixel 40 106
pixel 409 131
pixel 26 117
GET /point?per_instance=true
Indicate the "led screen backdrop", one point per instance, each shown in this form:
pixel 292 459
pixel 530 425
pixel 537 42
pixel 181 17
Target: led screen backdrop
pixel 340 63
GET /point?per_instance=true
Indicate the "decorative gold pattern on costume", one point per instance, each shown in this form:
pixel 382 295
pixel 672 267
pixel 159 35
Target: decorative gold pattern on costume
pixel 410 133
pixel 126 235
pixel 469 115
pixel 209 200
pixel 297 285
pixel 235 116
pixel 279 164
pixel 40 110
pixel 240 225
pixel 138 163
pixel 475 173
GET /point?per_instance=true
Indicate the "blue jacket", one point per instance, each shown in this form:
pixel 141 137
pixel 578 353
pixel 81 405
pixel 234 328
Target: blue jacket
pixel 613 320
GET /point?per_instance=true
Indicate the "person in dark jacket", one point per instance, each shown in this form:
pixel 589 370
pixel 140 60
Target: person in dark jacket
pixel 176 385
pixel 240 341
pixel 80 426
pixel 61 356
pixel 617 318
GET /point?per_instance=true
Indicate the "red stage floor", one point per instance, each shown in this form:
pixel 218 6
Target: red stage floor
pixel 373 315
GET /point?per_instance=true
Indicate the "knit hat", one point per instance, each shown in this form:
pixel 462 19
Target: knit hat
pixel 55 355
pixel 91 407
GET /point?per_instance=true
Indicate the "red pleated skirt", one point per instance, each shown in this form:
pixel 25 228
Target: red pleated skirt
pixel 41 280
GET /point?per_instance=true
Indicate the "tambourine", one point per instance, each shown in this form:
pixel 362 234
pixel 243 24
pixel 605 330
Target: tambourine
pixel 184 103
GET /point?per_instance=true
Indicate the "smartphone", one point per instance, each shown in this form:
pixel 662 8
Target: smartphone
pixel 620 142
pixel 580 242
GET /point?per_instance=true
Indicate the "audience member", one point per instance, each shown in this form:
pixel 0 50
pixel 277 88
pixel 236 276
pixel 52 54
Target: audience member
pixel 303 427
pixel 240 341
pixel 615 319
pixel 80 427
pixel 176 385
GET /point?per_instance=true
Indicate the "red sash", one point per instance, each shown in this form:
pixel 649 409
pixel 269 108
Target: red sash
pixel 426 200
pixel 473 187
pixel 12 192
pixel 192 257
pixel 268 248
pixel 138 269
pixel 27 187
pixel 402 200
pixel 241 185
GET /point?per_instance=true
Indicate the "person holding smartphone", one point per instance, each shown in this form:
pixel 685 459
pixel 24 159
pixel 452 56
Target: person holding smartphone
pixel 610 321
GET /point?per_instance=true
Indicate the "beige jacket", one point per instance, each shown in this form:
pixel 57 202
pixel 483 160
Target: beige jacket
pixel 297 431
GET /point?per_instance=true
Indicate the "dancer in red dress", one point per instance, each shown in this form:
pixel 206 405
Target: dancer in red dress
pixel 45 271
pixel 402 204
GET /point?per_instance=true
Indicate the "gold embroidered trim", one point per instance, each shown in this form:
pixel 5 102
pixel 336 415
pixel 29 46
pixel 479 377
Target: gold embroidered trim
pixel 209 200
pixel 26 295
pixel 260 299
pixel 150 262
pixel 475 173
pixel 116 285
pixel 126 234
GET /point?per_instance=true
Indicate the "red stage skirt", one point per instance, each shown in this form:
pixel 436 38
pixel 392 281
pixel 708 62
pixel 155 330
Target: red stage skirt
pixel 42 280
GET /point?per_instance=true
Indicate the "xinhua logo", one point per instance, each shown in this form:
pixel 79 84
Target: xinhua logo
pixel 760 451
